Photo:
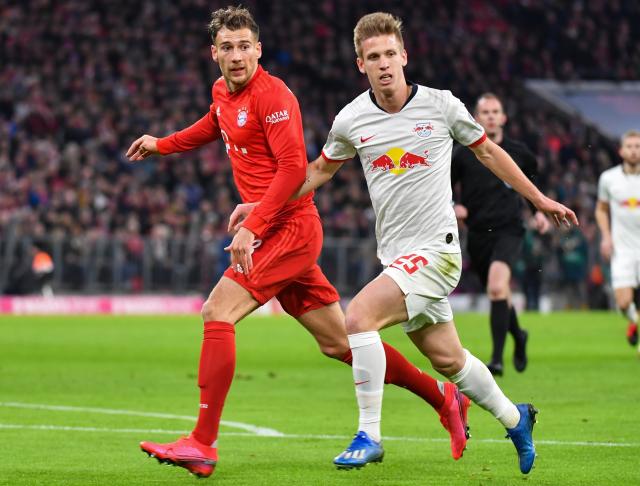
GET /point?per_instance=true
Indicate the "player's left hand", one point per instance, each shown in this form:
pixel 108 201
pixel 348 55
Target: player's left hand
pixel 541 223
pixel 559 213
pixel 241 248
pixel 238 216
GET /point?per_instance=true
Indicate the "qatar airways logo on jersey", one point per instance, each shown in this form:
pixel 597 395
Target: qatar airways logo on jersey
pixel 277 116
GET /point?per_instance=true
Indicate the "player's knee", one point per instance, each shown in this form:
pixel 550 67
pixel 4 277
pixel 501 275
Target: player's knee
pixel 211 312
pixel 497 291
pixel 334 350
pixel 447 364
pixel 624 303
pixel 356 320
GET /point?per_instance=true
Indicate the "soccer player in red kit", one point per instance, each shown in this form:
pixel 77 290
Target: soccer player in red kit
pixel 274 252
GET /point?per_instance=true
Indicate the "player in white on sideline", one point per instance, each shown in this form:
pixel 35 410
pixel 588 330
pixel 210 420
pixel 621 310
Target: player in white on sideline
pixel 403 134
pixel 619 193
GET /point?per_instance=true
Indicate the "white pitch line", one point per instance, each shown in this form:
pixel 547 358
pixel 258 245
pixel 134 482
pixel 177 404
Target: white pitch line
pixel 264 431
pixel 305 436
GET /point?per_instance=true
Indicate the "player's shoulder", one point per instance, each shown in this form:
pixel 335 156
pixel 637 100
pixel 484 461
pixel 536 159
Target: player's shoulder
pixel 612 173
pixel 218 87
pixel 440 98
pixel 357 107
pixel 268 83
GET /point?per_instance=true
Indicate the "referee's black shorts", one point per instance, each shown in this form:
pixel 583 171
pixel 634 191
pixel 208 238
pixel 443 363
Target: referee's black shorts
pixel 485 247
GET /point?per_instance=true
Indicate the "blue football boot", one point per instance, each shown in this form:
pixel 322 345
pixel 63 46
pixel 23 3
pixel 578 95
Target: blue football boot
pixel 360 452
pixel 522 436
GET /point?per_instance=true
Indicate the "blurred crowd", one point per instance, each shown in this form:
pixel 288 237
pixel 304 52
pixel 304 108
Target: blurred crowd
pixel 80 79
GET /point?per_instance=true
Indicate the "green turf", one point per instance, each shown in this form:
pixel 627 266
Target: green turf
pixel 582 376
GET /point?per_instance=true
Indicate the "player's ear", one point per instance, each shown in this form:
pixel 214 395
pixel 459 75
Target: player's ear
pixel 360 64
pixel 259 49
pixel 405 57
pixel 214 52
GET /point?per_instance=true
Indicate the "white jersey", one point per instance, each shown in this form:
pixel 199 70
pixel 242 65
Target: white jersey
pixel 406 158
pixel 622 192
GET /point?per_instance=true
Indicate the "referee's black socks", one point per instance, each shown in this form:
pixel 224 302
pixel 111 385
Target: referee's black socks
pixel 500 319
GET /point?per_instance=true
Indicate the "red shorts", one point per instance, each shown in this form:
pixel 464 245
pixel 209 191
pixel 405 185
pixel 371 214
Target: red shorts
pixel 284 266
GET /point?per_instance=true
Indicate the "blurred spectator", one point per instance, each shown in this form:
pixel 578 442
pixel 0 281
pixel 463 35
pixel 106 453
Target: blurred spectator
pixel 79 78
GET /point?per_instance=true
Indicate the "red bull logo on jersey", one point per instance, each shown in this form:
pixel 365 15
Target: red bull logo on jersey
pixel 398 161
pixel 631 203
pixel 423 129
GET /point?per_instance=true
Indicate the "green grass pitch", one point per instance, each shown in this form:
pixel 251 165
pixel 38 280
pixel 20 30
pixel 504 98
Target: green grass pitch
pixel 108 376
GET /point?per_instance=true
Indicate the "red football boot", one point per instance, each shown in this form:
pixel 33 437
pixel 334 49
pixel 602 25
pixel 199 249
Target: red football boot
pixel 186 452
pixel 632 333
pixel 453 416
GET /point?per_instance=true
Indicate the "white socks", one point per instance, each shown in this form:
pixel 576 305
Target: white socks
pixel 631 313
pixel 369 367
pixel 475 381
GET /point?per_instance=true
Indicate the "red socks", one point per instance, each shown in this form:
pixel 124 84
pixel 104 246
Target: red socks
pixel 217 366
pixel 401 372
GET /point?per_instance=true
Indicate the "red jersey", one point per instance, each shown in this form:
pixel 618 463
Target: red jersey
pixel 261 127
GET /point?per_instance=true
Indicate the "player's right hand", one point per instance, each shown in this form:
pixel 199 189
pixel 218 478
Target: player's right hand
pixel 606 248
pixel 461 211
pixel 238 215
pixel 143 148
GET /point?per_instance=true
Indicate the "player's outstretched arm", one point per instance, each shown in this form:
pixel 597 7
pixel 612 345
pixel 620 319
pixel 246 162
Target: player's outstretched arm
pixel 602 219
pixel 503 166
pixel 203 131
pixel 143 148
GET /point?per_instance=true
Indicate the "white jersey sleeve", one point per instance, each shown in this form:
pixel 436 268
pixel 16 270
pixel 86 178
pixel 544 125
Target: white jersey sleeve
pixel 462 126
pixel 338 147
pixel 604 193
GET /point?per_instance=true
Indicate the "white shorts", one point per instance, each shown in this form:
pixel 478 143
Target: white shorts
pixel 426 278
pixel 625 271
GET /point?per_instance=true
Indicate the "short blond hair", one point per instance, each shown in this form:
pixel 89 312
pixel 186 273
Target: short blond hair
pixel 373 25
pixel 629 134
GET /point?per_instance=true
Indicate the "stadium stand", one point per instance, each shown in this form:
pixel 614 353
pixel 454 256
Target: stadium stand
pixel 80 79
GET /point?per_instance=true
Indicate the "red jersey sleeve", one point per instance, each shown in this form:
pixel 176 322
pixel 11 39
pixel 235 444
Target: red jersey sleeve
pixel 282 123
pixel 202 132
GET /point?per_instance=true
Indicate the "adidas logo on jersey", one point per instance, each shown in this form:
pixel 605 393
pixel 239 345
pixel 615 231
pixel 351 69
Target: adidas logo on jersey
pixel 277 116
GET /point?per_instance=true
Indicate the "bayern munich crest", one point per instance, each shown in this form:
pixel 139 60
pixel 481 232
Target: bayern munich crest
pixel 423 129
pixel 242 117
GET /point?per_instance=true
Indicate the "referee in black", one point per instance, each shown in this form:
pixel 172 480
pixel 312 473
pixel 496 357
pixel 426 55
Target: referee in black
pixel 492 212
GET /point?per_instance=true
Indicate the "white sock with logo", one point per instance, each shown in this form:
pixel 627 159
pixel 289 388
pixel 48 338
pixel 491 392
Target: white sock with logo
pixel 475 381
pixel 369 367
pixel 631 313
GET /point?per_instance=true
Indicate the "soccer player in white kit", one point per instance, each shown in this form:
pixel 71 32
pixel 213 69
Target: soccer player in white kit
pixel 403 134
pixel 619 194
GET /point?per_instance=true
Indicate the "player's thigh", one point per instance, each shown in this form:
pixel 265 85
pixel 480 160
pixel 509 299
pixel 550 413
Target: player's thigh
pixel 228 302
pixel 625 272
pixel 379 304
pixel 326 325
pixel 441 344
pixel 426 278
pixel 498 280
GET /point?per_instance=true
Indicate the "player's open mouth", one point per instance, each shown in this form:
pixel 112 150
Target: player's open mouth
pixel 386 78
pixel 238 70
